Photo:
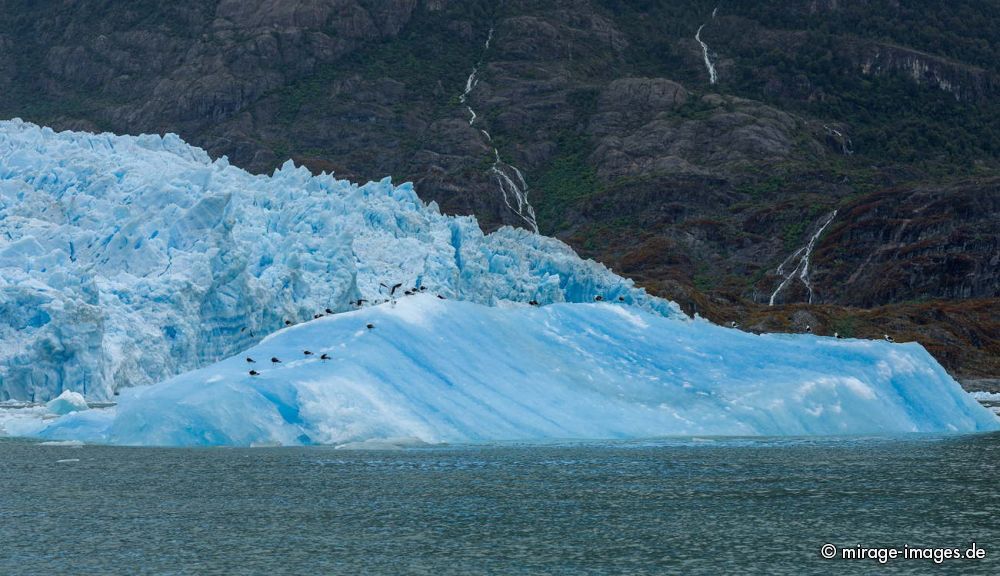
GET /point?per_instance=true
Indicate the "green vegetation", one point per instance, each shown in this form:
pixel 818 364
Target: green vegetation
pixel 763 189
pixel 567 179
pixel 846 326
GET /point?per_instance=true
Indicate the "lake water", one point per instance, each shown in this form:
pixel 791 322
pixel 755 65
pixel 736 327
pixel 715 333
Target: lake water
pixel 695 506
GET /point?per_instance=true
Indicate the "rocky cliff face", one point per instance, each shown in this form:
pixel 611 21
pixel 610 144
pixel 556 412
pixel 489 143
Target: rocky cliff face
pixel 964 82
pixel 699 167
pixel 905 244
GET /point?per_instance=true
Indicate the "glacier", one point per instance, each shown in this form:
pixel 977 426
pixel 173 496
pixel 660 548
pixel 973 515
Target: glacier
pixel 125 260
pixel 445 371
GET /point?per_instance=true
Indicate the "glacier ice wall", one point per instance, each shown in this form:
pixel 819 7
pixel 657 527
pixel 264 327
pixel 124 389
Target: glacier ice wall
pixel 433 370
pixel 125 260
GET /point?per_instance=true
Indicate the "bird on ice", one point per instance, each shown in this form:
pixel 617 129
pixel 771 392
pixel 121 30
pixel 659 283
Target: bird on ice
pixel 392 289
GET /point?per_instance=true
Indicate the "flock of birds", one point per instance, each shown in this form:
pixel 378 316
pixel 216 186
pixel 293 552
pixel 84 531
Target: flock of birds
pixel 734 324
pixel 417 290
pixel 391 299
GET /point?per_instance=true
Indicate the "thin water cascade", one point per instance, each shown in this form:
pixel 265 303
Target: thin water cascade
pixel 801 268
pixel 713 76
pixel 846 146
pixel 509 178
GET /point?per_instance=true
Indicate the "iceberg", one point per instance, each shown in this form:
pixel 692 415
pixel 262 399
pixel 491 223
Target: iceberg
pixel 125 260
pixel 433 371
pixel 67 402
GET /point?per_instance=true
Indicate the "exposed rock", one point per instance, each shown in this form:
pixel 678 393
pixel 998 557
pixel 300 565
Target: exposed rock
pixel 961 80
pixel 911 243
pixel 633 139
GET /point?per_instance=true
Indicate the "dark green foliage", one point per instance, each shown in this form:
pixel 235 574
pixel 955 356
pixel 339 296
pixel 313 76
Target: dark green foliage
pixel 568 179
pixel 965 30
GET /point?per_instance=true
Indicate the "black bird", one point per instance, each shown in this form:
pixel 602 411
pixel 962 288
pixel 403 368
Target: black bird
pixel 408 293
pixel 254 373
pixel 837 335
pixel 440 296
pixel 324 357
pixel 251 360
pixel 888 338
pixel 533 302
pixel 328 311
pixel 288 322
pixel 274 360
pixel 598 298
pixel 621 298
pixel 307 352
pixel 370 326
pixel 392 289
pixel 422 288
pixel 315 316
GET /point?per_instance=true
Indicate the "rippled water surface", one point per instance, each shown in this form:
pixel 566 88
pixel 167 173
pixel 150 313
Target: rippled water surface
pixel 695 506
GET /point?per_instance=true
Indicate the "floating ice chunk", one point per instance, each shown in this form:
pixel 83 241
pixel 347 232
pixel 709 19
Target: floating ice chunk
pixel 64 443
pixel 67 402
